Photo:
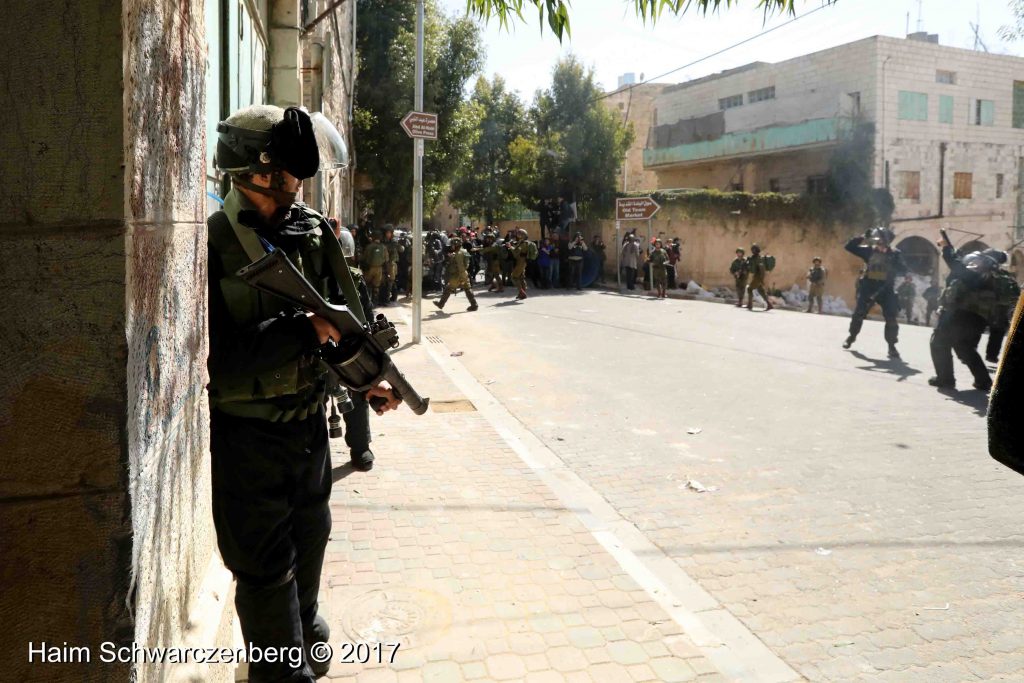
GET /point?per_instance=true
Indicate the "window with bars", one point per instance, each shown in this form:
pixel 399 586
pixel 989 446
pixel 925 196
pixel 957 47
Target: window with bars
pixel 761 94
pixel 909 185
pixel 984 113
pixel 963 185
pixel 948 77
pixel 817 184
pixel 730 102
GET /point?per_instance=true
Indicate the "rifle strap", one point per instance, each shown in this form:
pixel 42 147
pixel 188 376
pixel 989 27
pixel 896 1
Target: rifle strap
pixel 255 250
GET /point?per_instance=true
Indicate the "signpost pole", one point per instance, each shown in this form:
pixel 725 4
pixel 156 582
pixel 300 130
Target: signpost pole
pixel 650 248
pixel 417 189
pixel 618 253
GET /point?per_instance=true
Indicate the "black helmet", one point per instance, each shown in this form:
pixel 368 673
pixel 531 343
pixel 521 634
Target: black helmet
pixel 982 262
pixel 264 138
pixel 882 235
pixel 755 249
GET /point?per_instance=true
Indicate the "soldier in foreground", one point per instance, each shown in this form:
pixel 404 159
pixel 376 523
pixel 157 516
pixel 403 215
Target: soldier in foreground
pixel 457 275
pixel 270 460
pixel 975 288
pixel 883 266
pixel 758 272
pixel 816 277
pixel 739 272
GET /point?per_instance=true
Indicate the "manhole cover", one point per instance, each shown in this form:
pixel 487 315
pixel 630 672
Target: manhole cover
pixel 457 406
pixel 410 616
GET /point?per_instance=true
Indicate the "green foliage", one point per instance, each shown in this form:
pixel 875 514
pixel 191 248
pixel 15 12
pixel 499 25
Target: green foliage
pixel 576 144
pixel 1015 31
pixel 484 183
pixel 386 43
pixel 762 206
pixel 557 11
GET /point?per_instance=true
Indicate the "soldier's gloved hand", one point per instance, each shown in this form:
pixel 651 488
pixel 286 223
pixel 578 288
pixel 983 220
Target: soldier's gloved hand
pixel 382 391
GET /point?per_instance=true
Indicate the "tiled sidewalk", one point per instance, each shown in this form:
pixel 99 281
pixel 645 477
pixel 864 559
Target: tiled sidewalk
pixel 454 548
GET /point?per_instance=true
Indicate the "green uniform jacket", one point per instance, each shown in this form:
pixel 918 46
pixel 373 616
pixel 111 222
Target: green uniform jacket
pixel 457 269
pixel 755 266
pixel 262 362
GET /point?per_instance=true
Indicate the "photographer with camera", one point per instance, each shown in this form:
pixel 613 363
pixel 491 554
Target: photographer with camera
pixel 577 251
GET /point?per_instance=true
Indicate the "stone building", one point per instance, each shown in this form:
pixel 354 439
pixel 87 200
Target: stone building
pixel 948 137
pixel 635 104
pixel 104 480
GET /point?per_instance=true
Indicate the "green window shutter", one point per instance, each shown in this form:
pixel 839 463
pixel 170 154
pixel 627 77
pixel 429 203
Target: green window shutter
pixel 988 113
pixel 945 109
pixel 1018 104
pixel 913 106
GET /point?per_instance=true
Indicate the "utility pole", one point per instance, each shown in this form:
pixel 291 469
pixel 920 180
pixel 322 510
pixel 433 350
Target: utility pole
pixel 417 189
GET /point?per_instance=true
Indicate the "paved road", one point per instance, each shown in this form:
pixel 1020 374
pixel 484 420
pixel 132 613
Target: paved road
pixel 858 528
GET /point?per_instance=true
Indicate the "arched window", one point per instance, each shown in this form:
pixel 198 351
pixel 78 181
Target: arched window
pixel 921 256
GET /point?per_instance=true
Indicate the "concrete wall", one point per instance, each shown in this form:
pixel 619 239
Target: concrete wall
pixel 104 480
pixel 809 87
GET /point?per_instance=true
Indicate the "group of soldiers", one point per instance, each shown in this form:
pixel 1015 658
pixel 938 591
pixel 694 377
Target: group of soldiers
pixel 978 294
pixel 749 273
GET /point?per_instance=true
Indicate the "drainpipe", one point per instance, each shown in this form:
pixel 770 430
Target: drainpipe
pixel 942 176
pixel 885 178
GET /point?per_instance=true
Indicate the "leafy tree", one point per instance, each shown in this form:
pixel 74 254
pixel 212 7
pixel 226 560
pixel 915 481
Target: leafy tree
pixel 484 185
pixel 1016 30
pixel 452 53
pixel 557 11
pixel 576 146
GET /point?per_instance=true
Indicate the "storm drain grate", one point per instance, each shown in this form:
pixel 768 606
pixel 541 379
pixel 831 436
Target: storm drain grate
pixel 434 339
pixel 456 406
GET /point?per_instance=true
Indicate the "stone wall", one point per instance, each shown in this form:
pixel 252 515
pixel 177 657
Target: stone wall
pixel 709 243
pixel 104 480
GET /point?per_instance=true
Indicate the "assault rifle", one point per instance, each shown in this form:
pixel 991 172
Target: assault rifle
pixel 360 358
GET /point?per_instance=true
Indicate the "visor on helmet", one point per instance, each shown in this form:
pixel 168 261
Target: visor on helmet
pixel 331 145
pixel 348 243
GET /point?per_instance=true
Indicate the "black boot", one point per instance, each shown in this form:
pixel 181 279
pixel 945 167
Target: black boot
pixel 472 299
pixel 362 461
pixel 893 353
pixel 942 383
pixel 317 632
pixel 849 341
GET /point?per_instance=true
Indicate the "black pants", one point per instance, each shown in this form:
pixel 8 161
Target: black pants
pixel 996 334
pixel 575 273
pixel 271 486
pixel 886 298
pixel 357 424
pixel 958 331
pixel 630 277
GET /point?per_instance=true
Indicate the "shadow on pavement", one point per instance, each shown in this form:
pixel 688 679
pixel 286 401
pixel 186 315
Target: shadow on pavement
pixel 887 365
pixel 974 399
pixel 342 471
pixel 513 302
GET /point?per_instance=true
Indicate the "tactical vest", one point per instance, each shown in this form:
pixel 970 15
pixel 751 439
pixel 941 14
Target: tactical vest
pixel 294 390
pixel 376 254
pixel 816 275
pixel 878 266
pixel 458 264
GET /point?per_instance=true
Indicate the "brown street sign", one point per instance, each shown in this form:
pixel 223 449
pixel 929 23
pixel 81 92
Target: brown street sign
pixel 635 208
pixel 420 124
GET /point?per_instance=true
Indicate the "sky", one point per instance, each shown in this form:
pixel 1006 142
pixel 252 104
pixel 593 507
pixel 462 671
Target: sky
pixel 608 36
